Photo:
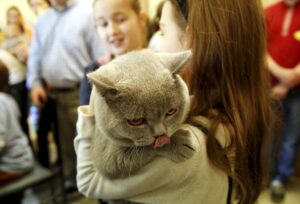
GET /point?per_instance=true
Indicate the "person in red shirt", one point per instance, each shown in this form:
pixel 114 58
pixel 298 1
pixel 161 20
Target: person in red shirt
pixel 283 27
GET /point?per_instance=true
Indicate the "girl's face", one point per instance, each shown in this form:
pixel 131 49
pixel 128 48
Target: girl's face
pixel 119 26
pixel 172 35
pixel 13 16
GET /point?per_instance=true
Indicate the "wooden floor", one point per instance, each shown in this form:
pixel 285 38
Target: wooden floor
pixel 292 195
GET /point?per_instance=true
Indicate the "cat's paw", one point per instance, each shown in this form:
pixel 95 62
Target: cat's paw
pixel 181 147
pixel 182 144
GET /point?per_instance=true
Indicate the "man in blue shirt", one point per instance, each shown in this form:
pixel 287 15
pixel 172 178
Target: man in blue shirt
pixel 64 42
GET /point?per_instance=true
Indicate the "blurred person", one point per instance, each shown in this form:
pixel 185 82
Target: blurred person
pixel 12 56
pixel 284 64
pixel 14 16
pixel 65 41
pixel 14 38
pixel 18 33
pixel 16 158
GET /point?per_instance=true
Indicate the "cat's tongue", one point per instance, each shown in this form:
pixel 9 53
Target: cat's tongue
pixel 161 141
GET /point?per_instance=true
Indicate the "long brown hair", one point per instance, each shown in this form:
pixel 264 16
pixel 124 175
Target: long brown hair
pixel 228 75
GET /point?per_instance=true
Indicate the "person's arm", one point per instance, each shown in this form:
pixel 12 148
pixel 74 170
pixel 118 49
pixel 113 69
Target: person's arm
pixel 34 61
pixel 287 77
pixel 38 93
pixel 22 52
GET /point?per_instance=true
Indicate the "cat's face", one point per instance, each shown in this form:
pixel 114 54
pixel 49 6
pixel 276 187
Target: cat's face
pixel 139 97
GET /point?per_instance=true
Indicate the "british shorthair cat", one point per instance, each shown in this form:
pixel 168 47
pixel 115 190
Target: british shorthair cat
pixel 140 104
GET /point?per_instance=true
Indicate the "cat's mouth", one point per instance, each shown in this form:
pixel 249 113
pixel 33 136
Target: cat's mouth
pixel 155 142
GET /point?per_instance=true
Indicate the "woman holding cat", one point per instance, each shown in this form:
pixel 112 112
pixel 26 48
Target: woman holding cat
pixel 230 112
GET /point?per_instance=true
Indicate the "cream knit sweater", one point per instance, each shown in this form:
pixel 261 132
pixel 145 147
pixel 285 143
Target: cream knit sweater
pixel 194 181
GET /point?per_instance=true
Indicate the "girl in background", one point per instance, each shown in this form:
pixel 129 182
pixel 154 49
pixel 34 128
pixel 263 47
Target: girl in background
pixel 14 54
pixel 122 28
pixel 14 16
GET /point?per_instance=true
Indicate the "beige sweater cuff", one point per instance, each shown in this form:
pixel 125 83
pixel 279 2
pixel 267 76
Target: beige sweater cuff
pixel 85 123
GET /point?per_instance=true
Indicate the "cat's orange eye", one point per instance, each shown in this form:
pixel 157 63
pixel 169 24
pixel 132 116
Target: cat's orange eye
pixel 136 122
pixel 172 111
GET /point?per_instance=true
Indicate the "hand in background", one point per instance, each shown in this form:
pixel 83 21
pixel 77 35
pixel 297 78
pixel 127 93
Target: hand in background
pixel 21 52
pixel 280 91
pixel 288 77
pixel 38 96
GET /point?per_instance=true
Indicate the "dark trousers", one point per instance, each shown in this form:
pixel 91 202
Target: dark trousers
pixel 47 122
pixel 291 136
pixel 59 115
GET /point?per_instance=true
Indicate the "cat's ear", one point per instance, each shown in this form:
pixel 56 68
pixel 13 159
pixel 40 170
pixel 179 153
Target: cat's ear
pixel 175 61
pixel 103 85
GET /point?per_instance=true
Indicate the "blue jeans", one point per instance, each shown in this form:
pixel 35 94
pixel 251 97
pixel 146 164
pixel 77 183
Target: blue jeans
pixel 291 136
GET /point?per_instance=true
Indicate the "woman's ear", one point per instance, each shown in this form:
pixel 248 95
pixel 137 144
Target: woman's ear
pixel 143 17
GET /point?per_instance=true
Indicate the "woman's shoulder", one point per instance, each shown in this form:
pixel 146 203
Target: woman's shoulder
pixel 201 126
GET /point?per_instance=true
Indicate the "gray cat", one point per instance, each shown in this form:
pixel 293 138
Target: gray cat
pixel 140 104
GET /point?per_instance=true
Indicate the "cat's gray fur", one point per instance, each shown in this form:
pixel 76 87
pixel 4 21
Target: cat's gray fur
pixel 140 84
